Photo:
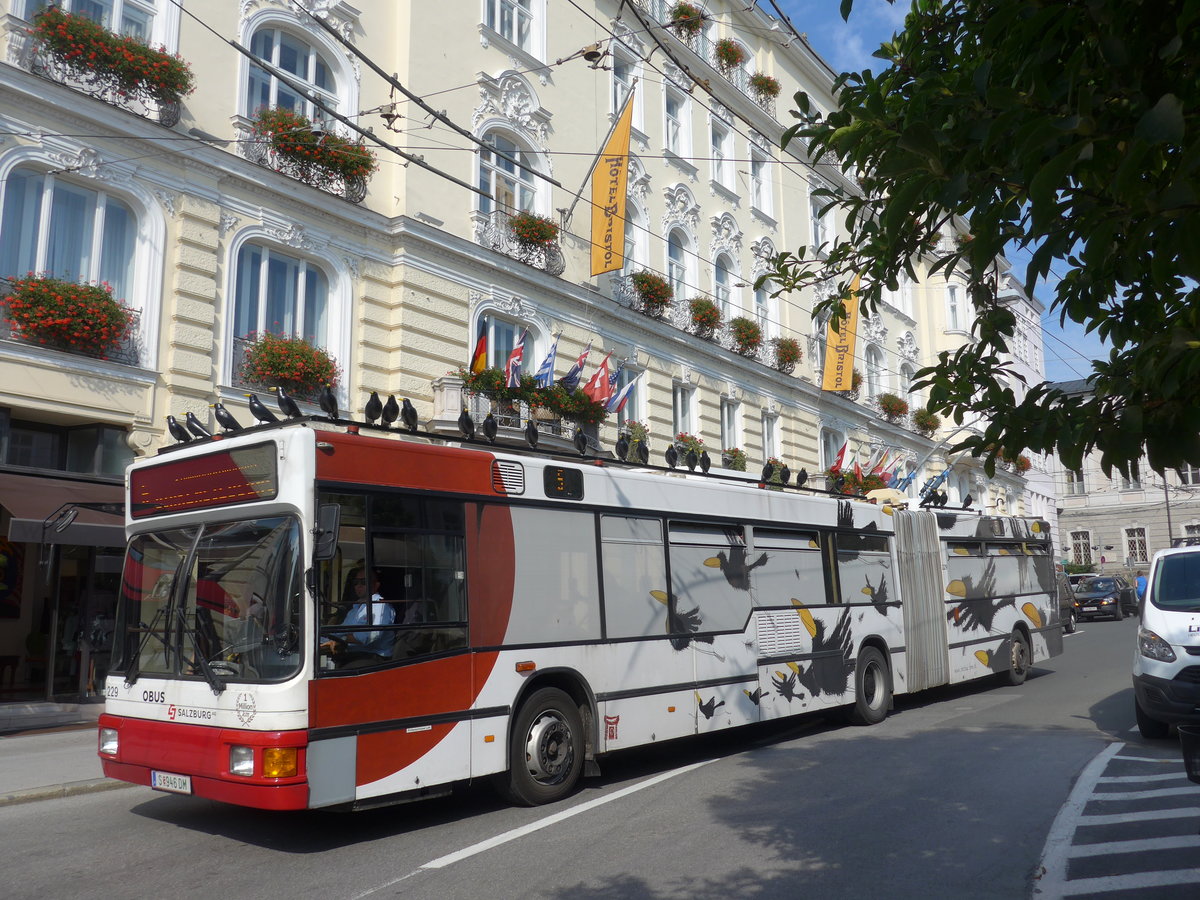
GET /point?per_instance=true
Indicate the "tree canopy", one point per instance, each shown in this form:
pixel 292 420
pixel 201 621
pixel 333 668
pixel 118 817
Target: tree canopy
pixel 1064 128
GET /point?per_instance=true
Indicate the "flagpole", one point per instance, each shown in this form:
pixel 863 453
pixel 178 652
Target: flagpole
pixel 566 220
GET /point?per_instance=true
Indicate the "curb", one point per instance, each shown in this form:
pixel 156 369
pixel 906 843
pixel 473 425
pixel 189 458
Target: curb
pixel 69 789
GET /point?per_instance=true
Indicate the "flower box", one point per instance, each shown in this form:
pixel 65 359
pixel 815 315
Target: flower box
pixel 65 315
pixel 734 459
pixel 747 335
pixel 729 54
pixel 314 156
pixel 787 354
pixel 652 291
pixel 687 20
pixel 764 86
pixel 531 230
pixel 706 315
pixel 925 422
pixel 892 407
pixel 545 404
pixel 277 360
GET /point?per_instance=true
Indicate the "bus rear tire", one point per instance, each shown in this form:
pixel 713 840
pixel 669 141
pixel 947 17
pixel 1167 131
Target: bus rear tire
pixel 1018 660
pixel 872 688
pixel 546 749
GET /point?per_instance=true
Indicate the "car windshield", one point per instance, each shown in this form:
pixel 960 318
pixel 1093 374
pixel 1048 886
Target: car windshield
pixel 1096 585
pixel 218 602
pixel 1177 583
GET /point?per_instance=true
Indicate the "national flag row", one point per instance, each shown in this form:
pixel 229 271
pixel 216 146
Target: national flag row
pixel 600 388
pixel 879 464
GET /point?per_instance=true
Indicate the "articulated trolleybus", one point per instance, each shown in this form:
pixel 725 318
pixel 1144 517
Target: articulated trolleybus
pixel 322 614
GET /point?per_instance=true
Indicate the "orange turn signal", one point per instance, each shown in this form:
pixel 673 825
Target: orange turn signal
pixel 279 762
pixel 526 666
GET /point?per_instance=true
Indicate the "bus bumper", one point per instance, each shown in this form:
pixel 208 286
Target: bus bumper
pixel 196 760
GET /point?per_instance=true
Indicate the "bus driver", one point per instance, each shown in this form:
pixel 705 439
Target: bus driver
pixel 363 644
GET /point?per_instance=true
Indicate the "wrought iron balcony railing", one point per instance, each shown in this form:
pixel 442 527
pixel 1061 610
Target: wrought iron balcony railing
pixel 492 231
pixel 128 351
pixel 256 148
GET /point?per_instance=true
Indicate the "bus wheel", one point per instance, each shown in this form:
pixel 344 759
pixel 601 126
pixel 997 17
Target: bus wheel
pixel 872 688
pixel 1018 661
pixel 546 755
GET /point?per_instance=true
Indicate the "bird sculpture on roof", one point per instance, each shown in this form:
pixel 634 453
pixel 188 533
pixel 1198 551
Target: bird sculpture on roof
pixel 287 405
pixel 391 411
pixel 490 428
pixel 374 408
pixel 466 424
pixel 581 442
pixel 177 430
pixel 260 412
pixel 328 402
pixel 672 456
pixel 408 415
pixel 531 434
pixel 705 462
pixel 195 426
pixel 225 418
pixel 622 446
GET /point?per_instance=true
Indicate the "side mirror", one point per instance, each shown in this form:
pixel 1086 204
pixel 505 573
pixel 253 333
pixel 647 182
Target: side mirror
pixel 329 519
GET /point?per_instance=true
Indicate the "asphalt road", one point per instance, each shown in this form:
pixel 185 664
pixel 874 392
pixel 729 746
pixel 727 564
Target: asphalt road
pixel 954 795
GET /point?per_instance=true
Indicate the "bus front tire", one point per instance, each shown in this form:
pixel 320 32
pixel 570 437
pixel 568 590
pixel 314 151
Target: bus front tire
pixel 1018 660
pixel 546 749
pixel 872 688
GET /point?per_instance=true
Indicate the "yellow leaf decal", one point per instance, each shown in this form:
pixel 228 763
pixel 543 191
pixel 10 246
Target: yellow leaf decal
pixel 1032 612
pixel 795 667
pixel 984 657
pixel 660 596
pixel 956 588
pixel 806 617
pixel 713 563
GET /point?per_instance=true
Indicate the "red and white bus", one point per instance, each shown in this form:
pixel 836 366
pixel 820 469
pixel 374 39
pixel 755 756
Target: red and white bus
pixel 540 612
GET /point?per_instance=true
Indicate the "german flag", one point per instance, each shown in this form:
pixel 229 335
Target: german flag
pixel 479 357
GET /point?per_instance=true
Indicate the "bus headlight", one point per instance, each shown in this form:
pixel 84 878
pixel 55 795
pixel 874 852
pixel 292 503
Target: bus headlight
pixel 1154 647
pixel 280 762
pixel 241 760
pixel 108 741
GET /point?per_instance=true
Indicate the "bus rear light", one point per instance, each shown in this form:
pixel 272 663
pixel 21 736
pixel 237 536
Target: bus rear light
pixel 241 760
pixel 527 666
pixel 108 741
pixel 280 762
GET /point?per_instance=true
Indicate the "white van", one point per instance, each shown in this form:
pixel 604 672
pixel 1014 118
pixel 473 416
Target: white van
pixel 1166 661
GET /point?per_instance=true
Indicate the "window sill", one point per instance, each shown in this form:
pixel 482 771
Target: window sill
pixel 489 37
pixel 763 216
pixel 680 163
pixel 721 190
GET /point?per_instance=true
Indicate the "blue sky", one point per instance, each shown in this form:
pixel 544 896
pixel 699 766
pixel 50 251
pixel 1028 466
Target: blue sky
pixel 848 46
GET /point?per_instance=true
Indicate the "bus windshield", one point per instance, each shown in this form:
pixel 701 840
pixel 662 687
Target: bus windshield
pixel 218 602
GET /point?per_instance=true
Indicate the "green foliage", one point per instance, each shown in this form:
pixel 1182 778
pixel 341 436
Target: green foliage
pixel 1069 132
pixel 787 353
pixel 706 315
pixel 893 407
pixel 64 315
pixel 532 230
pixel 734 459
pixel 729 53
pixel 575 406
pixel 652 289
pixel 926 421
pixel 847 482
pixel 295 136
pixel 687 19
pixel 280 360
pixel 747 335
pixel 685 442
pixel 764 85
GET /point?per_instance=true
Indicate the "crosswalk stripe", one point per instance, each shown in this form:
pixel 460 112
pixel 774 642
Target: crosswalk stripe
pixel 1143 816
pixel 1131 882
pixel 1146 795
pixel 1172 842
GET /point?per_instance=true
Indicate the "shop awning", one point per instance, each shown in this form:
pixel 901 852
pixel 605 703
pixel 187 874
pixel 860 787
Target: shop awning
pixel 30 499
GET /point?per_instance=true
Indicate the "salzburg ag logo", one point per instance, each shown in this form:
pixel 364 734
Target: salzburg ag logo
pixel 245 708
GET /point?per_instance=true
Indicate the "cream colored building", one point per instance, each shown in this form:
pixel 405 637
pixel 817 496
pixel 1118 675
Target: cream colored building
pixel 210 237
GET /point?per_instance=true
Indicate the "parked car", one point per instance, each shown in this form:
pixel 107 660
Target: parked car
pixel 1078 577
pixel 1105 595
pixel 1166 689
pixel 1066 603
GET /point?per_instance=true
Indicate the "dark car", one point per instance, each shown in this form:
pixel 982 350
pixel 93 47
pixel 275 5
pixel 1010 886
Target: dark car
pixel 1066 603
pixel 1105 595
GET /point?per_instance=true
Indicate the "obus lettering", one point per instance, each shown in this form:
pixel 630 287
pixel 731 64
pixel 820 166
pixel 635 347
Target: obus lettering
pixel 154 696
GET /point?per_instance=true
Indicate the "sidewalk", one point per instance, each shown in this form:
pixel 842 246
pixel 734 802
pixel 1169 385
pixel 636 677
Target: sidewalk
pixel 52 755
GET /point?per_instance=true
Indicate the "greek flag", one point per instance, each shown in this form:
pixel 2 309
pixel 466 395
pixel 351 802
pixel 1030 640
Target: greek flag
pixel 545 372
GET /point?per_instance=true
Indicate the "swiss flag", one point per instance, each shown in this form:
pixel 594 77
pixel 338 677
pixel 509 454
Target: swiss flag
pixel 598 387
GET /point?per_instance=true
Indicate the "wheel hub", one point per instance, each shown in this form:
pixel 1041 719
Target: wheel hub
pixel 548 752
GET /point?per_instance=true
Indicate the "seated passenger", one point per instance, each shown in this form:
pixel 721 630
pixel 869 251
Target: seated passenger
pixel 363 644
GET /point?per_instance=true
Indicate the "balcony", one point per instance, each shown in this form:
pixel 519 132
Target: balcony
pixel 264 150
pixel 128 351
pixel 492 231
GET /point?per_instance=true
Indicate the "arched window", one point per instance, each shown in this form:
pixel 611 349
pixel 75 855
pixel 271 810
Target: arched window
pixel 832 442
pixel 302 61
pixel 513 187
pixel 66 229
pixel 723 286
pixel 908 374
pixel 282 294
pixel 876 376
pixel 636 238
pixel 134 18
pixel 677 264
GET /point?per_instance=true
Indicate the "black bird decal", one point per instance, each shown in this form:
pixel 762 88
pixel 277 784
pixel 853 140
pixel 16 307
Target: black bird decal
pixel 328 402
pixel 466 424
pixel 709 706
pixel 691 460
pixel 767 472
pixel 408 415
pixel 581 442
pixel 877 592
pixel 801 477
pixel 225 418
pixel 287 405
pixel 195 426
pixel 177 430
pixel 531 434
pixel 391 411
pixel 978 606
pixel 786 684
pixel 735 566
pixel 490 428
pixel 374 408
pixel 622 447
pixel 643 453
pixel 1000 659
pixel 672 456
pixel 705 462
pixel 260 412
pixel 831 672
pixel 845 514
pixel 754 695
pixel 682 625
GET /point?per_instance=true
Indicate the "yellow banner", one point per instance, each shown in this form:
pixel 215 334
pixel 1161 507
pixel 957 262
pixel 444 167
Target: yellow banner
pixel 609 179
pixel 839 346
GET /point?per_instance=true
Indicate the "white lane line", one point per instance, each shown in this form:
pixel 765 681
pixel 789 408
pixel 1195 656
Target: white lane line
pixel 1146 795
pixel 1139 881
pixel 1141 779
pixel 1151 759
pixel 1173 842
pixel 1147 816
pixel 1055 855
pixel 449 859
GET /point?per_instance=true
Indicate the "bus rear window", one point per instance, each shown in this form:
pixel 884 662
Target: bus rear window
pixel 223 478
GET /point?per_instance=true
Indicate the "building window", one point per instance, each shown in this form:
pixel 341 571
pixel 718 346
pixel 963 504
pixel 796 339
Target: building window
pixel 1189 475
pixel 302 62
pixel 677 124
pixel 1074 482
pixel 134 18
pixel 502 336
pixel 722 286
pixel 770 434
pixel 86 449
pixel 1081 548
pixel 875 371
pixel 512 20
pixel 682 396
pixel 905 298
pixel 762 312
pixel 1133 483
pixel 953 309
pixel 1135 545
pixel 280 294
pixel 722 154
pixel 636 234
pixel 831 442
pixel 1191 530
pixel 60 228
pixel 623 73
pixel 677 264
pixel 908 374
pixel 512 187
pixel 816 218
pixel 760 182
pixel 730 433
pixel 631 411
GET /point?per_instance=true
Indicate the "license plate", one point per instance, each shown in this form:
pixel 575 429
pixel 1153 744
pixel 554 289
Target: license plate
pixel 167 781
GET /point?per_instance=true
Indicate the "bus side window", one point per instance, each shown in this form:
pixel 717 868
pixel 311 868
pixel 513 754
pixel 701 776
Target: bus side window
pixel 787 567
pixel 634 567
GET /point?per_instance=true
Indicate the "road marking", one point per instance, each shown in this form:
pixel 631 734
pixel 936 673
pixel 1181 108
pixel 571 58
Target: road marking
pixel 1131 882
pixel 1146 795
pixel 1170 842
pixel 1140 779
pixel 1145 816
pixel 449 859
pixel 1150 759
